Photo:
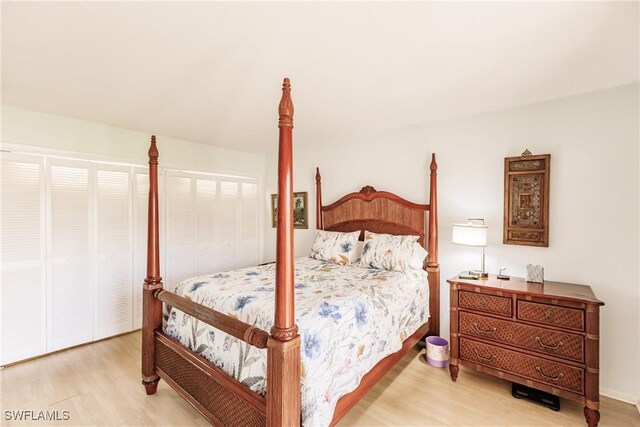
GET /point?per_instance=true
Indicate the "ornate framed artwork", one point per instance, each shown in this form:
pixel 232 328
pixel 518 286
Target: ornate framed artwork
pixel 300 210
pixel 526 200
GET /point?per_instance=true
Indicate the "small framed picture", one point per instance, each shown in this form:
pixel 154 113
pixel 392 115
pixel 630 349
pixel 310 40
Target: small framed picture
pixel 535 273
pixel 300 210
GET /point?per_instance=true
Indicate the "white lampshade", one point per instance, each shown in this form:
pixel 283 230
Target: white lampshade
pixel 469 234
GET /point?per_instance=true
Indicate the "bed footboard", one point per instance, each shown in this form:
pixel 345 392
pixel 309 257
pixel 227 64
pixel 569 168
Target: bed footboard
pixel 218 397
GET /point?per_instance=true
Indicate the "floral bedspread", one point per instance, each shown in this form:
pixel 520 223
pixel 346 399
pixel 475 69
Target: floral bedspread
pixel 349 319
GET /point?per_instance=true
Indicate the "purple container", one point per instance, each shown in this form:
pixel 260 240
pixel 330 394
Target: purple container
pixel 437 352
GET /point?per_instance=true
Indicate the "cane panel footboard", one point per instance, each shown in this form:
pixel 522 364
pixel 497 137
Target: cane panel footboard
pixel 217 396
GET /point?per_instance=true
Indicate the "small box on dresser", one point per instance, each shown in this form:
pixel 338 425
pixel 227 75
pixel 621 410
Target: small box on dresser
pixel 543 335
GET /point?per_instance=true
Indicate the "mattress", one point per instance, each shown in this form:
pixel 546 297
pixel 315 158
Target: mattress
pixel 349 318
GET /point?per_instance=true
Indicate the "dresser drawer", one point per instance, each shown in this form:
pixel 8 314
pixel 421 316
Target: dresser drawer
pixel 560 344
pixel 541 370
pixel 487 303
pixel 551 315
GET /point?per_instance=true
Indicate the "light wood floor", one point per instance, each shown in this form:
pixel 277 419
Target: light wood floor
pixel 99 384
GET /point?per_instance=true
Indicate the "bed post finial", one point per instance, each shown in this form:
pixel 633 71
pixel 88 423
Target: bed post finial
pixel 285 109
pixel 319 224
pixel 153 150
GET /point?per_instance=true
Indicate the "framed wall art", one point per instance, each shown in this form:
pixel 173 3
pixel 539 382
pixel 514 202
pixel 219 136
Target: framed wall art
pixel 526 200
pixel 300 210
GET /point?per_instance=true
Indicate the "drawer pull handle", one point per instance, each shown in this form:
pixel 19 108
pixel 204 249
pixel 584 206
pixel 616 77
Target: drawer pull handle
pixel 485 358
pixel 483 303
pixel 548 315
pixel 548 346
pixel 549 377
pixel 483 331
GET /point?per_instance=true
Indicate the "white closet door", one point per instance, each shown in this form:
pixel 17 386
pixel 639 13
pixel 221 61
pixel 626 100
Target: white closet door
pixel 140 208
pixel 206 257
pixel 70 304
pixel 228 224
pixel 179 228
pixel 248 254
pixel 114 272
pixel 23 302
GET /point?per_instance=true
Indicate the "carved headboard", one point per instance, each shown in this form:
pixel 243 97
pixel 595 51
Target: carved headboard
pixel 376 211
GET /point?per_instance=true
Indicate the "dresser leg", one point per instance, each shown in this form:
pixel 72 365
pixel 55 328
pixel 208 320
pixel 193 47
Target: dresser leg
pixel 453 369
pixel 592 416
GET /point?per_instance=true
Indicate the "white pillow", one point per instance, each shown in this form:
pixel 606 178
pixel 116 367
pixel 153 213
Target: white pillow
pixel 418 254
pixel 387 251
pixel 334 246
pixel 357 253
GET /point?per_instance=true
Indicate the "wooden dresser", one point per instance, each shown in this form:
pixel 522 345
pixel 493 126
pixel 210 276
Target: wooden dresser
pixel 545 336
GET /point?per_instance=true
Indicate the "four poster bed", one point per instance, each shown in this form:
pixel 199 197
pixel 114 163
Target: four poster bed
pixel 341 311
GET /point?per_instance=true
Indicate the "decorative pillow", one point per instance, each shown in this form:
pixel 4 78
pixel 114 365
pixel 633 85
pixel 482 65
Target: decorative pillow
pixel 334 246
pixel 418 254
pixel 387 251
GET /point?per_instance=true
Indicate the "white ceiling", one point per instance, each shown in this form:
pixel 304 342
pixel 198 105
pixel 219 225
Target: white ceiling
pixel 211 72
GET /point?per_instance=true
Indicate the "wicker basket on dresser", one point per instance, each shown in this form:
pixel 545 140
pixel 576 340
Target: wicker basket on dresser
pixel 544 336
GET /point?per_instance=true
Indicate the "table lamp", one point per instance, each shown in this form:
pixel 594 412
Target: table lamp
pixel 473 233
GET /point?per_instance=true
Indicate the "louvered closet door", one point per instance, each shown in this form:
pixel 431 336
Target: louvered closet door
pixel 248 254
pixel 205 223
pixel 140 208
pixel 22 225
pixel 228 225
pixel 114 270
pixel 70 283
pixel 179 225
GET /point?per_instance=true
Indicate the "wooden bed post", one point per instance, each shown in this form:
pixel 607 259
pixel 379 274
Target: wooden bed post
pixel 319 225
pixel 433 268
pixel 283 346
pixel 151 306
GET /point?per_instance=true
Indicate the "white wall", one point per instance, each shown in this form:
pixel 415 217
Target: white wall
pixel 593 140
pixel 26 127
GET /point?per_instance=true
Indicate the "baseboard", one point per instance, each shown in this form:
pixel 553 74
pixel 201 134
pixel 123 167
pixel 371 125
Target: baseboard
pixel 623 397
pixel 638 406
